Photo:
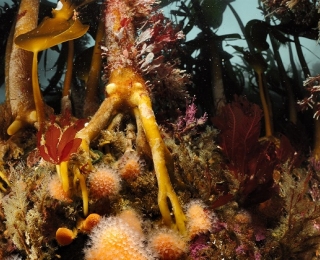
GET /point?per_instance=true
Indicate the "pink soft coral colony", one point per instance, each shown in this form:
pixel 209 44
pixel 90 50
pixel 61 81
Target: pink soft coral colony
pixel 141 174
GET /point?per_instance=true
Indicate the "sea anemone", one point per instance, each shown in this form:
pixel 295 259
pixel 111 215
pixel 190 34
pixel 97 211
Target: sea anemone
pixel 132 219
pixel 113 238
pixel 56 191
pixel 130 165
pixel 199 221
pixel 168 244
pixel 104 182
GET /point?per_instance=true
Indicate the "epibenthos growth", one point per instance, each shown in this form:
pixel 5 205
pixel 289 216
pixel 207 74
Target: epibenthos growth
pixel 124 164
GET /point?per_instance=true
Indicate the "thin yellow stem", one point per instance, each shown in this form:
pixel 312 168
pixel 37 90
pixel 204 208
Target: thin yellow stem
pixel 36 92
pixel 84 190
pixel 68 76
pixel 64 176
pixel 265 107
pixel 58 170
pixel 92 84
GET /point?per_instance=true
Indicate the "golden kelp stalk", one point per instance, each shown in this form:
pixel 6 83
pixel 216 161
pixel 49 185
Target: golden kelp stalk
pixel 19 94
pixel 129 55
pixel 127 92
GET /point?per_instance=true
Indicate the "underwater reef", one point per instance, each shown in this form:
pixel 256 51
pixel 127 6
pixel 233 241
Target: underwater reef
pixel 145 145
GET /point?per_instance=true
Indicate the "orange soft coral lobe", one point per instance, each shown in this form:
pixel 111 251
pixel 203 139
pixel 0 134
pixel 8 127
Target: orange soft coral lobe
pixel 89 223
pixel 65 236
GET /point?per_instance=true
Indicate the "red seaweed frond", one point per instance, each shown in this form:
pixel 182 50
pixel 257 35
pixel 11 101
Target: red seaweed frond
pixel 58 143
pixel 239 125
pixel 250 161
